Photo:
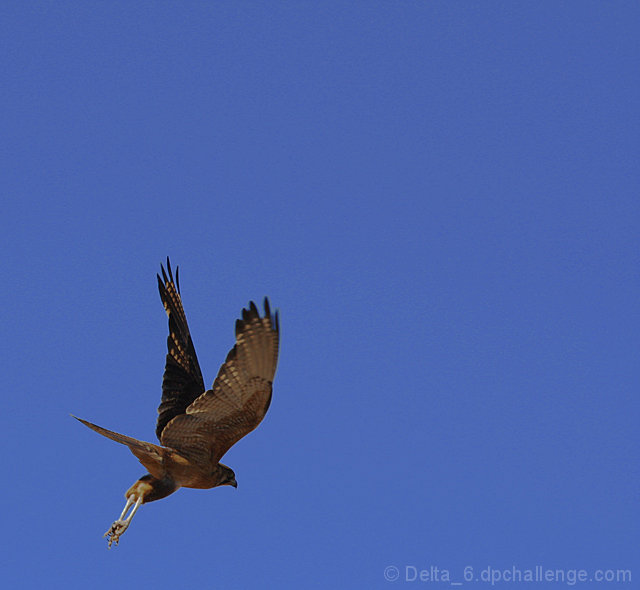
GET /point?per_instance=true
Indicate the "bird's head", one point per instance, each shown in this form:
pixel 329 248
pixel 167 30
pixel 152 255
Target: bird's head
pixel 227 476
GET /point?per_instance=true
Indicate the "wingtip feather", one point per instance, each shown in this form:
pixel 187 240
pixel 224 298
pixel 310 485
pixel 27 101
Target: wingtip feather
pixel 253 309
pixel 267 308
pixel 169 269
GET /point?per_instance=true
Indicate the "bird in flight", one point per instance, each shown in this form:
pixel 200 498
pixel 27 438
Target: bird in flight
pixel 197 427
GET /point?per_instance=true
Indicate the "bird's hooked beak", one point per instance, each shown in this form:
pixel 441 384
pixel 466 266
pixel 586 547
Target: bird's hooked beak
pixel 233 483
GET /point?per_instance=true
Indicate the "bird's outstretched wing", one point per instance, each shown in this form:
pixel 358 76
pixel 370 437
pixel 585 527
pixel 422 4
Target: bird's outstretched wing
pixel 182 381
pixel 148 454
pixel 239 398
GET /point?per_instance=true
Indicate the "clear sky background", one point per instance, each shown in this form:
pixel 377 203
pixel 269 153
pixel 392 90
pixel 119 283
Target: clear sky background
pixel 442 200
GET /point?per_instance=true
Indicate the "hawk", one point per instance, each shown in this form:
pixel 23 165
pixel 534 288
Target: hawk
pixel 197 427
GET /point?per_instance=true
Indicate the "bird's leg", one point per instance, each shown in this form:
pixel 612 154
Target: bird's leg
pixel 120 525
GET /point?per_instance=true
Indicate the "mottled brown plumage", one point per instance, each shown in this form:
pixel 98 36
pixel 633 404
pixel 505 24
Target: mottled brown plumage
pixel 197 427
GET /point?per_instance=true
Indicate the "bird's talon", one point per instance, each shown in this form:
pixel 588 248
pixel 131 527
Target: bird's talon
pixel 114 532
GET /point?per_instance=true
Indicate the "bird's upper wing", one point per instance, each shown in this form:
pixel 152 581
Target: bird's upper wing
pixel 240 395
pixel 182 381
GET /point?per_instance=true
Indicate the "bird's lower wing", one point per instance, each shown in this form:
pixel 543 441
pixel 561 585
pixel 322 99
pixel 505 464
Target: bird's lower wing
pixel 148 454
pixel 206 435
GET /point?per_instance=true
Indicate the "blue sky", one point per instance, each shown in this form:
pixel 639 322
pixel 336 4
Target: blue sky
pixel 442 200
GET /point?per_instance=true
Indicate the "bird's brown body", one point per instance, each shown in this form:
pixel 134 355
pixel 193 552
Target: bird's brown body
pixel 197 427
